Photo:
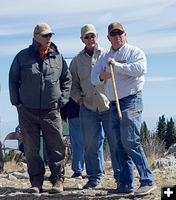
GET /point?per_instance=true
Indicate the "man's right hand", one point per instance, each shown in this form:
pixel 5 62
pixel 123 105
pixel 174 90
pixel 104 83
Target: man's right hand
pixel 111 61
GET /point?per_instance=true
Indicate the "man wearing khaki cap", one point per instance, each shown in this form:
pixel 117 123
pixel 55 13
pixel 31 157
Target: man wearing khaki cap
pixel 39 85
pixel 94 108
pixel 129 66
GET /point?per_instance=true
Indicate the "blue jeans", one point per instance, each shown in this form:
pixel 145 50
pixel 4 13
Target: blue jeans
pixel 93 137
pixel 77 145
pixel 130 149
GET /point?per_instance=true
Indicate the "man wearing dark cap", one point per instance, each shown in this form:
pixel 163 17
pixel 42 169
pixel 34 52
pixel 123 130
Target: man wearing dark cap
pixel 94 108
pixel 39 85
pixel 129 66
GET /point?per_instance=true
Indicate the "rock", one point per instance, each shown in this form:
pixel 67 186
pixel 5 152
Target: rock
pixel 11 177
pixel 22 165
pixel 13 186
pixel 157 171
pixel 168 160
pixel 165 162
pixel 172 149
pixel 20 175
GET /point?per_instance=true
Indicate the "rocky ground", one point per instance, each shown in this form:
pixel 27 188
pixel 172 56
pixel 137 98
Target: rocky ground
pixel 14 182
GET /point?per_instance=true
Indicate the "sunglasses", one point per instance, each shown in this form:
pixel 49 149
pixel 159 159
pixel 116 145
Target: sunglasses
pixel 91 36
pixel 116 33
pixel 47 35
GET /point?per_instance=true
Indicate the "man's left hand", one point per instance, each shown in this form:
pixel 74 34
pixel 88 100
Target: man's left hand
pixel 105 75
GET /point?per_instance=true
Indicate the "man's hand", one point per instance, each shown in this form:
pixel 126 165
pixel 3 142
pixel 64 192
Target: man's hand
pixel 111 61
pixel 19 105
pixel 105 75
pixel 56 106
pixel 80 101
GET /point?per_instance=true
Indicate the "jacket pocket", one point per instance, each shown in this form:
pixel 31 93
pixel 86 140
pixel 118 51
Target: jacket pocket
pixel 53 74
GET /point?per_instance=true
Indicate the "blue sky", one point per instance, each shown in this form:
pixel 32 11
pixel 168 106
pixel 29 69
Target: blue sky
pixel 150 25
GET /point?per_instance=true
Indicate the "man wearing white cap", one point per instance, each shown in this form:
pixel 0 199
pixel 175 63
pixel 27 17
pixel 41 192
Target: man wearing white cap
pixel 94 108
pixel 39 85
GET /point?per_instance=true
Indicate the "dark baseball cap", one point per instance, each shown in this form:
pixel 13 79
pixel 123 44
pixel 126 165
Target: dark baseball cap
pixel 115 26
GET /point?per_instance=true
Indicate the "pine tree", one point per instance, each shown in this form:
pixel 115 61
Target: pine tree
pixel 145 134
pixel 170 137
pixel 161 128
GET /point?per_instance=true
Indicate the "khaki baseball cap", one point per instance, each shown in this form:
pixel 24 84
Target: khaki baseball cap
pixel 115 26
pixel 86 29
pixel 42 29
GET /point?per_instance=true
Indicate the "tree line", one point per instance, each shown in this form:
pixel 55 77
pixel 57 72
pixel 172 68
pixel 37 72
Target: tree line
pixel 157 142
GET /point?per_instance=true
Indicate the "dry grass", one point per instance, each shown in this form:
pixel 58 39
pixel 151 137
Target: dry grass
pixel 11 166
pixel 151 159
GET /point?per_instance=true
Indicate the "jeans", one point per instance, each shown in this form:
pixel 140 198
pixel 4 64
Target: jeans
pixel 77 145
pixel 130 149
pixel 93 138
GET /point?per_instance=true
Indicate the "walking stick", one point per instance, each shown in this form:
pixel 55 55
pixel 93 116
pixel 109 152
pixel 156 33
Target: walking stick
pixel 115 93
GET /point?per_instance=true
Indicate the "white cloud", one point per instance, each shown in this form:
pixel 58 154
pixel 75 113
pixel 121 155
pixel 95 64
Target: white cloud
pixel 158 79
pixel 35 8
pixel 13 48
pixel 149 24
pixel 146 22
pixel 155 43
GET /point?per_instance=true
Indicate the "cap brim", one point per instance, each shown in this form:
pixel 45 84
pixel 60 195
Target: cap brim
pixel 46 32
pixel 115 29
pixel 88 33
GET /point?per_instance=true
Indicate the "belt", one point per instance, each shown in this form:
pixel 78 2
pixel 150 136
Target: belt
pixel 125 98
pixel 39 111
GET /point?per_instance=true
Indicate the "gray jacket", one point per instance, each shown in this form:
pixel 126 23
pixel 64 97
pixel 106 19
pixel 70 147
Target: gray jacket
pixel 39 84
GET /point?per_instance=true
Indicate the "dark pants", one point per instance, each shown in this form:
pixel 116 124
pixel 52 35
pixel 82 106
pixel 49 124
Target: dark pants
pixel 49 122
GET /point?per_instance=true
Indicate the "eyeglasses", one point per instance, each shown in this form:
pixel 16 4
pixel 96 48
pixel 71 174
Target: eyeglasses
pixel 114 33
pixel 47 35
pixel 91 36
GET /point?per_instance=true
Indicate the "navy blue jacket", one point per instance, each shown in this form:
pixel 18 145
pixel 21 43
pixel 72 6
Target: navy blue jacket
pixel 70 110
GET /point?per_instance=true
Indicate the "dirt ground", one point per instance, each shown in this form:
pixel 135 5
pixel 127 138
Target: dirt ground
pixel 14 187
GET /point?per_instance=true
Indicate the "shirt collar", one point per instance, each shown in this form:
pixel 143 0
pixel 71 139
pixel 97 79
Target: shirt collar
pixel 52 49
pixel 119 50
pixel 97 48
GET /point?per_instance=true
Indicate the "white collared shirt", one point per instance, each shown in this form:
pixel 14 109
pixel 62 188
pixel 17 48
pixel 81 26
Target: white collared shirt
pixel 129 71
